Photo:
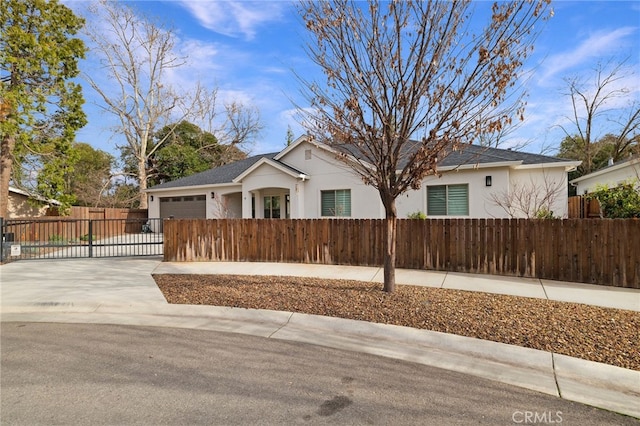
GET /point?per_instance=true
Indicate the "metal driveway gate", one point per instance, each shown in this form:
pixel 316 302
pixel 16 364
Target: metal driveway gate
pixel 78 238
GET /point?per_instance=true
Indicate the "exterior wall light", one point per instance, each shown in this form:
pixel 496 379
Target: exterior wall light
pixel 487 181
pixel 152 198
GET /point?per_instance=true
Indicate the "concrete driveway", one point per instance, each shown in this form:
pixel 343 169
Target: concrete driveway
pixel 82 284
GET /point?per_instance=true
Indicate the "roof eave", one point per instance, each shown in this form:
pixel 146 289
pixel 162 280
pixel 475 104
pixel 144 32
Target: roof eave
pixel 267 161
pixel 208 185
pixel 34 196
pixel 607 170
pixel 567 165
pixel 472 166
pixel 291 147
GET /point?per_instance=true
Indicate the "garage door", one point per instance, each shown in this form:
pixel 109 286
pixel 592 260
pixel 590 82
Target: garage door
pixel 189 207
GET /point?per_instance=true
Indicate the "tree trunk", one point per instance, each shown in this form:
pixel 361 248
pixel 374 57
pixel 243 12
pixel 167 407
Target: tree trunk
pixel 142 174
pixel 390 247
pixel 390 256
pixel 6 163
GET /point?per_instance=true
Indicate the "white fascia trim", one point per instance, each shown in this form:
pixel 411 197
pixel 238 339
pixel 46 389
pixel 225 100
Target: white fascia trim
pixel 607 170
pixel 472 166
pixel 289 148
pixel 269 162
pixel 34 196
pixel 300 141
pixel 325 148
pixel 181 188
pixel 567 165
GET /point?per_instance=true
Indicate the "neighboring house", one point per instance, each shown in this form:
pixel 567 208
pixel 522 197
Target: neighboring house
pixel 305 180
pixel 24 204
pixel 611 176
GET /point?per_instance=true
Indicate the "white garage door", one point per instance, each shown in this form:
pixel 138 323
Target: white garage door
pixel 188 207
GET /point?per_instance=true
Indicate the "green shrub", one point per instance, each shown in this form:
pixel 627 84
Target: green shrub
pixel 622 201
pixel 85 237
pixel 544 213
pixel 416 215
pixel 57 239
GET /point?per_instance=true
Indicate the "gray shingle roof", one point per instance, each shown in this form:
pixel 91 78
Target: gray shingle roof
pixel 217 175
pixel 470 154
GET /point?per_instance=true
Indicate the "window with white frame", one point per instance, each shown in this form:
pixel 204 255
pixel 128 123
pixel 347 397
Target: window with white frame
pixel 272 207
pixel 448 200
pixel 335 203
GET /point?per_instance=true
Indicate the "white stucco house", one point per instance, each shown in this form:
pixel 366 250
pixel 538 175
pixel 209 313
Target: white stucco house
pixel 305 180
pixel 611 176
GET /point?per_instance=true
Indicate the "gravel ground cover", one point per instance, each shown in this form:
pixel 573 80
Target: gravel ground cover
pixel 610 336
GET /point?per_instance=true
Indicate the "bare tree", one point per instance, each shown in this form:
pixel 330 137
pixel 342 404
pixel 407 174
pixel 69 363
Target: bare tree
pixel 407 82
pixel 136 56
pixel 502 138
pixel 221 209
pixel 599 101
pixel 530 199
pixel 237 130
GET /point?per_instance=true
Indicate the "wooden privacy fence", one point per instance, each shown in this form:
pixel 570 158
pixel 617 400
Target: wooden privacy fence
pixel 78 212
pixel 581 207
pixel 597 251
pixel 109 222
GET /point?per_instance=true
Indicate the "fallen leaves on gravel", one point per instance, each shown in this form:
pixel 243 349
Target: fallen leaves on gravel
pixel 604 335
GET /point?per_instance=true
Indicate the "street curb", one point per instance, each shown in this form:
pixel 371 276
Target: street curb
pixel 600 385
pixel 514 365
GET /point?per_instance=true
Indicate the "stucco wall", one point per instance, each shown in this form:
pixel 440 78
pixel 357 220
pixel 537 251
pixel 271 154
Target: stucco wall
pixel 538 183
pixel 20 206
pixel 324 172
pixel 480 201
pixel 328 173
pixel 611 178
pixel 214 206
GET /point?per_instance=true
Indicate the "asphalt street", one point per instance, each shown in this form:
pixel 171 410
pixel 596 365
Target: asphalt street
pixel 117 375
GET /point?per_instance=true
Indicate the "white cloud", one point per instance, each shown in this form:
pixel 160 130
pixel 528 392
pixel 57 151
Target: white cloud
pixel 234 18
pixel 599 44
pixel 202 64
pixel 292 118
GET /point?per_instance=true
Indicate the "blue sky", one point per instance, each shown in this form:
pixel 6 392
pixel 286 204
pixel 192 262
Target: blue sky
pixel 249 50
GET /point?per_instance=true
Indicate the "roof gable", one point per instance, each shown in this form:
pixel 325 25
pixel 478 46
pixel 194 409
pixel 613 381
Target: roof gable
pixel 229 173
pixel 285 168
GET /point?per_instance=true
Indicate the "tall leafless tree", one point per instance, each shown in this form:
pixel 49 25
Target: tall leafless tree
pixel 408 82
pixel 604 102
pixel 137 55
pixel 235 127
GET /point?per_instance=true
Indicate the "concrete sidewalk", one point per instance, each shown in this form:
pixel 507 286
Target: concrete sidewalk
pixel 596 295
pixel 122 291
